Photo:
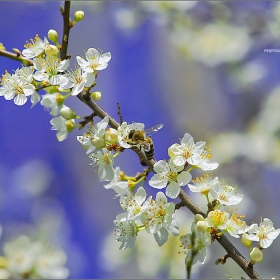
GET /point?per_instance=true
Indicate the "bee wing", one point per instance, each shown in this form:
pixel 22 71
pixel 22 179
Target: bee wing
pixel 154 128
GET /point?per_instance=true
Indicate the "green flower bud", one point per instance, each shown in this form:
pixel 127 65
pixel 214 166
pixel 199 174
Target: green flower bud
pixel 2 47
pixel 53 36
pixel 96 95
pixel 70 125
pixel 51 50
pixel 256 255
pixel 198 217
pixel 246 242
pixel 60 99
pixel 67 113
pixel 98 142
pixel 111 135
pixel 78 16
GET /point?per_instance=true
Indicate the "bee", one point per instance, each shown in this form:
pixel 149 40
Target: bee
pixel 138 137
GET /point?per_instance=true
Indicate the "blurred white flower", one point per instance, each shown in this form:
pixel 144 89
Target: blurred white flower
pixel 214 43
pixel 26 259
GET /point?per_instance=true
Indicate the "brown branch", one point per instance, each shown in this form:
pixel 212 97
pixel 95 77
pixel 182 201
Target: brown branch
pixel 17 57
pixel 66 29
pixel 119 113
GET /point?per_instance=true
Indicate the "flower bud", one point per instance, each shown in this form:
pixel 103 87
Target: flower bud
pixel 53 36
pixel 170 152
pixel 70 125
pixel 98 142
pixel 201 226
pixel 256 255
pixel 3 262
pixel 78 16
pixel 16 51
pixel 2 47
pixel 131 185
pixel 198 217
pixel 111 135
pixel 122 175
pixel 67 113
pixel 51 50
pixel 60 99
pixel 96 95
pixel 245 241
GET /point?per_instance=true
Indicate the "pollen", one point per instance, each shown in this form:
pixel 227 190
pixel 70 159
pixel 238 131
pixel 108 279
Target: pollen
pixel 4 77
pixel 32 41
pixel 236 220
pixel 18 90
pixel 187 153
pixel 206 153
pixel 106 159
pixel 50 65
pixel 202 179
pixel 172 176
pixel 223 197
pixel 217 217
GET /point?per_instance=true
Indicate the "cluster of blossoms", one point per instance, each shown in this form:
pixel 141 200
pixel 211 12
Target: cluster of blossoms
pixel 219 221
pixel 26 259
pixel 55 76
pixel 158 216
pixel 102 146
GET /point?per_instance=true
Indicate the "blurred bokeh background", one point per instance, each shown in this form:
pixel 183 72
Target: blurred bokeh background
pixel 197 67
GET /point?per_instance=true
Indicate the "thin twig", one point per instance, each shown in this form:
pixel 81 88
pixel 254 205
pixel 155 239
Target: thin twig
pixel 17 57
pixel 119 113
pixel 66 29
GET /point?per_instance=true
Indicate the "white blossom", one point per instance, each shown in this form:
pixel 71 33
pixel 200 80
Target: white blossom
pixel 265 233
pixel 187 151
pixel 17 87
pixel 62 126
pixel 104 161
pixel 225 194
pixel 166 175
pixel 53 101
pixel 217 219
pixel 125 231
pixel 135 205
pixel 76 79
pixel 120 187
pixel 94 138
pixel 235 226
pixel 94 60
pixel 206 164
pixel 35 47
pixel 203 184
pixel 195 247
pixel 48 69
pixel 159 219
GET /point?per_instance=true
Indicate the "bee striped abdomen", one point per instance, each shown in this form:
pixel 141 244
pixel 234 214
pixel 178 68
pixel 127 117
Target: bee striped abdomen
pixel 150 152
